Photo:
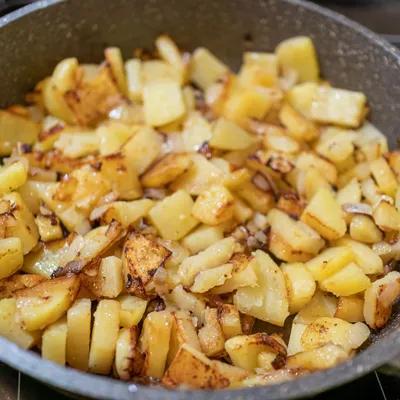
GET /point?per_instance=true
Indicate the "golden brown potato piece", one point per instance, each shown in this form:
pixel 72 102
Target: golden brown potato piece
pixel 54 342
pixel 91 101
pixel 191 367
pixel 17 282
pixel 46 302
pixel 350 308
pixel 142 256
pixel 211 337
pixel 166 170
pixel 11 257
pixel 229 319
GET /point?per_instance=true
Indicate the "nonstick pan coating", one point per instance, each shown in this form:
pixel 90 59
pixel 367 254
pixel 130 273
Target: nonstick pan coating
pixel 35 38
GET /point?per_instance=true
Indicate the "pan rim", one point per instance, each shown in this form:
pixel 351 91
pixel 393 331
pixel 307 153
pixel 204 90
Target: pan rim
pixel 94 386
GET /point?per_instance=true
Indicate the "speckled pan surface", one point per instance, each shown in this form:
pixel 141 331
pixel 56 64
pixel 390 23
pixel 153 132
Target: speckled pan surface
pixel 33 39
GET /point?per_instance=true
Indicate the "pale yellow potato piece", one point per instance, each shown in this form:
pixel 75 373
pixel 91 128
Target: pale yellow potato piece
pixel 134 79
pixel 386 217
pixel 115 62
pixel 267 61
pixel 11 329
pixel 323 357
pixel 182 331
pixel 206 280
pixel 104 336
pixel 268 301
pixel 298 126
pixel 280 141
pixel 11 257
pixel 370 191
pixel 337 147
pixel 265 360
pixel 191 367
pixel 363 229
pixel 255 75
pixel 350 308
pixel 43 304
pixel 229 319
pixel 170 53
pixel 300 285
pixel 166 170
pixel 330 261
pixel 296 332
pixel 187 301
pixel 25 228
pixel 77 145
pixel 160 71
pixel 154 342
pixel 341 333
pixel 243 274
pixel 215 255
pixel 297 238
pixel 163 102
pixel 172 216
pixel 201 175
pixel 203 237
pixel 384 176
pixel 205 68
pixel 78 336
pixel 313 180
pixel 49 227
pixel 349 280
pixel 379 299
pixel 365 257
pixel 324 214
pixel 299 53
pixel 132 309
pixel 226 135
pixel 111 135
pixel 211 337
pixel 308 159
pixel 351 193
pixel 241 211
pixel 143 148
pixel 244 350
pixel 214 206
pixel 196 131
pixel 257 199
pixel 29 191
pixel 12 176
pixel 54 342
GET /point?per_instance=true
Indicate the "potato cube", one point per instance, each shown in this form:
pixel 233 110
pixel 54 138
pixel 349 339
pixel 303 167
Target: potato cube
pixel 296 332
pixel 172 216
pixel 384 176
pixel 215 255
pixel 169 51
pixel 363 229
pixel 214 206
pixel 349 280
pixel 203 237
pixel 226 135
pixel 311 182
pixel 243 274
pixel 351 193
pixel 78 336
pixel 12 330
pixel 229 319
pixel 268 301
pixel 77 145
pixel 267 61
pixel 166 170
pixel 307 160
pixel 163 102
pixel 211 337
pixel 132 310
pixel 43 304
pixel 299 54
pixel 265 360
pixel 191 367
pixel 241 211
pixel 206 280
pixel 160 71
pixel 259 200
pixel 324 214
pixel 134 79
pixel 49 227
pixel 350 308
pixel 337 147
pixel 244 350
pixel 379 299
pixel 104 337
pixel 365 258
pixel 300 285
pixel 11 257
pixel 196 131
pixel 182 332
pixel 12 177
pixel 255 75
pixel 330 261
pixel 386 217
pixel 54 342
pixel 298 126
pixel 8 286
pixel 111 135
pixel 278 140
pixel 323 357
pixel 205 68
pixel 154 342
pixel 338 332
pixel 113 57
pixel 143 149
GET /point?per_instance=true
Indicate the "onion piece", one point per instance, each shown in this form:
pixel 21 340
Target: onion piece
pixel 382 248
pixel 357 208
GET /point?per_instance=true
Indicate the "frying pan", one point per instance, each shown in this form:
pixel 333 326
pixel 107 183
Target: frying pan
pixel 35 38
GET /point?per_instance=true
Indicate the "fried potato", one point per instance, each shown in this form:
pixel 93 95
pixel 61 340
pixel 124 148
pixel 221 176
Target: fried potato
pixel 206 280
pixel 228 136
pixel 46 302
pixel 49 227
pixel 54 342
pixel 11 257
pixel 203 237
pixel 211 336
pixel 12 177
pixel 350 308
pixel 17 282
pixel 132 310
pixel 229 319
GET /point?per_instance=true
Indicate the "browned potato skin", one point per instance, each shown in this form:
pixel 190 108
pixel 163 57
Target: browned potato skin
pixel 291 204
pixel 166 170
pixel 211 336
pixel 190 367
pixel 9 286
pixel 142 256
